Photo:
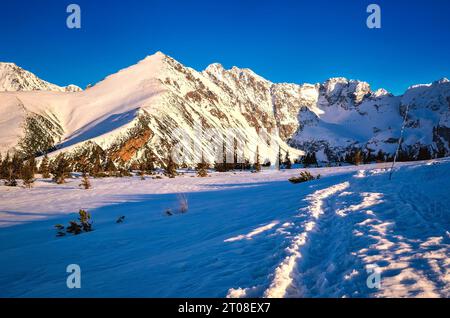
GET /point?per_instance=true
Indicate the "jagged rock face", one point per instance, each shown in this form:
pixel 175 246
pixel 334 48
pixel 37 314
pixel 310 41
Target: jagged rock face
pixel 159 105
pixel 352 116
pixel 13 78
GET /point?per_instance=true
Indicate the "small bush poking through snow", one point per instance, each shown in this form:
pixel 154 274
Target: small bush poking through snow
pixel 84 225
pixel 85 220
pixel 304 176
pixel 182 205
pixel 74 228
pixel 60 230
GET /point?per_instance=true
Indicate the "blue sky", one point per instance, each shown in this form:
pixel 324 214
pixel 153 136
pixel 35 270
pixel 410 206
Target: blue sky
pixel 284 41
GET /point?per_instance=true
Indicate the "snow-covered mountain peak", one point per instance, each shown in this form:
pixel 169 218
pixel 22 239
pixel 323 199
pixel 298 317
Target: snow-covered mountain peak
pixel 157 56
pixel 215 69
pixel 380 93
pixel 143 105
pixel 341 89
pixel 14 78
pixel 442 81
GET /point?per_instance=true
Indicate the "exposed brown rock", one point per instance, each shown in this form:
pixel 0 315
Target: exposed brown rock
pixel 131 146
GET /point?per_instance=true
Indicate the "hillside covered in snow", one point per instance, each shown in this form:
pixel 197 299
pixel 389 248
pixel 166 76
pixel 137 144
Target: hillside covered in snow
pixel 243 235
pixel 159 104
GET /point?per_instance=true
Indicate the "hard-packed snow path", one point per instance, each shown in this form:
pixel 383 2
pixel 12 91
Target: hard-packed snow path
pixel 244 235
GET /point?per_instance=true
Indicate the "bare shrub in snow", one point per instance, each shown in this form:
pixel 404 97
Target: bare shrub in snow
pixel 182 203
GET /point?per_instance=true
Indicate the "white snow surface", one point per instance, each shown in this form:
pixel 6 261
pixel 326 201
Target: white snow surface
pixel 244 235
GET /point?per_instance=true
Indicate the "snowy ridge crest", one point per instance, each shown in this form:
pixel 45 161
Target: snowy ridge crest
pixel 330 119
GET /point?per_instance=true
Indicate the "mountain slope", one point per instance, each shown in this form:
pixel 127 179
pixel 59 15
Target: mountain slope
pixel 157 104
pixel 161 105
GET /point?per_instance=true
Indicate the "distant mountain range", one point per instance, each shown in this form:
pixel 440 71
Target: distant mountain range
pixel 148 106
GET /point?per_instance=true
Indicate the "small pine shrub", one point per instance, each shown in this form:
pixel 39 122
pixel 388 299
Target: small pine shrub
pixel 304 177
pixel 170 168
pixel 74 228
pixel 27 177
pixel 121 219
pixel 84 225
pixel 257 161
pixel 60 230
pixel 85 220
pixel 202 168
pixel 10 180
pixel 60 169
pixel 85 183
pixel 44 168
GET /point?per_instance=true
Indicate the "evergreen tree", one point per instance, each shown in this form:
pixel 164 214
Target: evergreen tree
pixel 74 228
pixel 202 168
pixel 96 167
pixel 222 166
pixel 380 156
pixel 257 160
pixel 4 167
pixel 60 169
pixel 424 154
pixel 141 171
pixel 110 167
pixel 85 220
pixel 32 163
pixel 170 169
pixel 27 173
pixel 310 159
pixel 357 158
pixel 85 183
pixel 10 179
pixel 44 167
pixel 60 230
pixel 279 158
pixel 83 165
pixel 16 164
pixel 149 161
pixel 287 161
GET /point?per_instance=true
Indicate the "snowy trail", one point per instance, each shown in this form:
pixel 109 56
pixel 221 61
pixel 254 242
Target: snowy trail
pixel 284 272
pixel 396 227
pixel 245 235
